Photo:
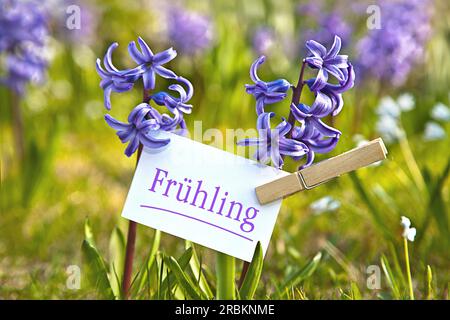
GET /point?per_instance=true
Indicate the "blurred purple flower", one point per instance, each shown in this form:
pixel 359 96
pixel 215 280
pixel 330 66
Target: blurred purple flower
pixel 143 124
pixel 263 40
pixel 190 31
pixel 390 53
pixel 23 33
pixel 265 92
pixel 273 143
pixel 149 64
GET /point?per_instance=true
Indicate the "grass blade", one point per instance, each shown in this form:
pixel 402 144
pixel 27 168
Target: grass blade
pixel 117 260
pixel 297 276
pixel 253 275
pixel 392 282
pixel 197 272
pixel 183 280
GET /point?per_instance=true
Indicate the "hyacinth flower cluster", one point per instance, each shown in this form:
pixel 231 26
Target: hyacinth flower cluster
pixel 145 122
pixel 401 41
pixel 304 133
pixel 23 34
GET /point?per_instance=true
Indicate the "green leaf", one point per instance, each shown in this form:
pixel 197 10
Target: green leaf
pixel 225 270
pixel 429 283
pixel 197 272
pixel 169 281
pixel 144 271
pixel 297 276
pixel 88 234
pixel 253 275
pixel 97 272
pixel 117 260
pixel 183 280
pixel 391 280
pixel 355 293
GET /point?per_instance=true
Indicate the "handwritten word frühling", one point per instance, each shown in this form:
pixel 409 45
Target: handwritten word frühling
pixel 213 200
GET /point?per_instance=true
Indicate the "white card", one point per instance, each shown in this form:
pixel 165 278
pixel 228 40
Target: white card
pixel 205 195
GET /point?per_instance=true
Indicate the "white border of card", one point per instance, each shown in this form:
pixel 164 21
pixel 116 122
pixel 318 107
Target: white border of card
pixel 205 195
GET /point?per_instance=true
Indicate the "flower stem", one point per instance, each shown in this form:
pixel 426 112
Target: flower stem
pixel 297 92
pixel 131 238
pixel 408 270
pixel 225 272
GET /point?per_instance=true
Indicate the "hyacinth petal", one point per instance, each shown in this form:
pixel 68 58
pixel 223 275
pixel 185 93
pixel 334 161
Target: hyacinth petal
pixel 335 71
pixel 164 72
pixel 107 60
pixel 259 106
pixel 254 68
pixel 263 122
pixel 320 81
pixel 107 97
pixel 322 105
pixel 316 48
pixel 309 160
pixel 151 142
pixel 135 54
pixel 102 73
pixel 298 114
pixel 293 148
pixel 145 49
pixel 248 142
pixel 335 48
pixel 340 61
pixel 323 146
pixel 275 156
pixel 126 135
pixel 185 108
pixel 149 80
pixel 132 145
pixel 190 88
pixel 314 62
pixel 164 56
pixel 178 88
pixel 283 128
pixel 116 124
pixel 132 117
pixel 323 128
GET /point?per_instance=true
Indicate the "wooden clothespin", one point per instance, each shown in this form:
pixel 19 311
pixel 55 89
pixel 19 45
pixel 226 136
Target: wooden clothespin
pixel 323 171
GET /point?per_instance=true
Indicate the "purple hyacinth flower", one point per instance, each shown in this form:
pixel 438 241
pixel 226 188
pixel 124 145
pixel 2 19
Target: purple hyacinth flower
pixel 151 64
pixel 171 102
pixel 331 94
pixel 273 144
pixel 266 92
pixel 327 62
pixel 142 121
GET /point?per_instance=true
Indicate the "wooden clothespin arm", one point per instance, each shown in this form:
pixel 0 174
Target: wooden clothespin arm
pixel 323 171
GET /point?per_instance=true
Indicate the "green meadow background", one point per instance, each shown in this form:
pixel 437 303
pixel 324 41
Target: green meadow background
pixel 74 169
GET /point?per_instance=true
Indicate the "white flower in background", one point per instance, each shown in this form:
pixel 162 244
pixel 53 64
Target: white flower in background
pixel 389 128
pixel 433 131
pixel 406 102
pixel 440 112
pixel 389 112
pixel 408 232
pixel 388 107
pixel 324 204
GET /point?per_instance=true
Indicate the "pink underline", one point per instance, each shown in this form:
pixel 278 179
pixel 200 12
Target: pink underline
pixel 199 220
